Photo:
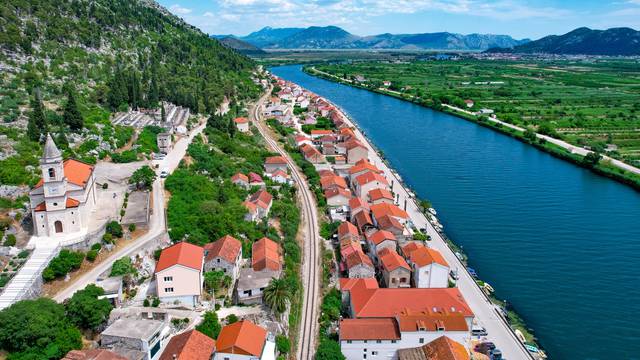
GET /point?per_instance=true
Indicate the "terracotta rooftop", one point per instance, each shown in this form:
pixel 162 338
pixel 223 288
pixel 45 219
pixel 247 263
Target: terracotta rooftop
pixel 276 160
pixel 382 209
pixel 430 320
pixel 335 180
pixel 346 284
pixel 261 198
pixel 362 219
pixel 321 132
pixel 242 338
pixel 241 120
pixel 353 143
pixel 347 228
pixel 411 247
pixel 182 253
pixel 380 236
pixel 357 258
pixel 369 329
pixel 378 194
pixel 70 203
pixel 76 172
pixel 190 345
pixel 337 191
pixel 370 176
pixel 442 348
pixel 240 177
pixel 357 202
pixel 265 255
pixel 227 247
pixel 93 354
pixel 255 178
pixel 425 256
pixel 388 222
pixel 390 260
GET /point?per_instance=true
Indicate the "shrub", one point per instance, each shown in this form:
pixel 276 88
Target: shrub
pixel 96 247
pixel 92 255
pixel 122 266
pixel 146 303
pixel 105 186
pixel 283 344
pixel 232 319
pixel 107 238
pixel 62 264
pixel 86 311
pixel 210 325
pixel 23 254
pixel 155 302
pixel 10 241
pixel 115 229
pixel 132 227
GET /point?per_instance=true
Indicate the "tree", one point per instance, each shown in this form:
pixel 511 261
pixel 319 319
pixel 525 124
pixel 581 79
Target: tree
pixel 210 325
pixel 62 264
pixel 86 311
pixel 71 115
pixel 122 266
pixel 232 318
pixel 143 178
pixel 37 329
pixel 592 158
pixel 214 280
pixel 277 295
pixel 283 344
pixel 37 125
pixel 114 229
pixel 163 113
pixel 329 350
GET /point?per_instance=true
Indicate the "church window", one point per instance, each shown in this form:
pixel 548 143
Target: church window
pixel 55 204
pixel 52 173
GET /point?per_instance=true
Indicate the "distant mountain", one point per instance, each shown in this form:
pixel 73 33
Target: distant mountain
pixel 614 41
pixel 333 37
pixel 242 47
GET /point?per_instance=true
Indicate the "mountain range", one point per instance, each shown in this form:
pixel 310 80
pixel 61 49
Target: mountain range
pixel 585 41
pixel 333 37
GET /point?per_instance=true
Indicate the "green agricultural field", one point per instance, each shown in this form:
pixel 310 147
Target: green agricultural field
pixel 590 103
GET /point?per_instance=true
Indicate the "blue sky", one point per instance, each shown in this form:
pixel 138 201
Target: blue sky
pixel 518 18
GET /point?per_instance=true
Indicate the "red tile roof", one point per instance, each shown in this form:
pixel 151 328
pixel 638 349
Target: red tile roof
pixel 369 329
pixel 347 228
pixel 261 198
pixel 346 284
pixel 362 219
pixel 363 165
pixel 227 247
pixel 426 256
pixel 411 247
pixel 93 354
pixel 383 209
pixel 255 178
pixel 431 320
pixel 380 236
pixel 388 302
pixel 335 180
pixel 71 203
pixel 41 207
pixel 321 132
pixel 390 260
pixel 337 191
pixel 265 255
pixel 243 338
pixel 353 143
pixel 190 345
pixel 370 176
pixel 388 222
pixel 76 172
pixel 378 194
pixel 182 253
pixel 241 120
pixel 349 247
pixel 239 177
pixel 275 160
pixel 443 348
pixel 357 258
pixel 357 202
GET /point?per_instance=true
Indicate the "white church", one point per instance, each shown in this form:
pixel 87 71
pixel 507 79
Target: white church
pixel 63 200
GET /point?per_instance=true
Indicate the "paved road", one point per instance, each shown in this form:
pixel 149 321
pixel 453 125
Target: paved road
pixel 311 249
pixel 157 224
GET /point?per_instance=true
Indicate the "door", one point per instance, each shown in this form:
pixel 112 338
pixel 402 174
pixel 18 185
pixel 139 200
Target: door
pixel 58 226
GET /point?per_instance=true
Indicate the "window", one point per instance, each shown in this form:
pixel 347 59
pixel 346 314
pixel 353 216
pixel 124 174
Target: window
pixel 374 353
pixel 168 278
pixel 393 341
pixel 55 204
pixel 393 280
pixel 349 341
pixel 52 173
pixel 421 340
pixel 169 290
pixel 218 260
pixel 403 280
pixel 365 343
pixel 379 341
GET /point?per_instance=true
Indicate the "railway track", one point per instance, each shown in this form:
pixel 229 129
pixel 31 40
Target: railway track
pixel 306 340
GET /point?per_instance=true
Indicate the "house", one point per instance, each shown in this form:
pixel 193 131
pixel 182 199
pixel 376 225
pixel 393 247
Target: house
pixel 348 231
pixel 367 182
pixel 356 151
pixel 112 287
pixel 392 225
pixel 379 240
pixel 430 269
pixel 135 339
pixel 164 142
pixel 189 345
pixel 255 180
pixel 362 167
pixel 316 134
pixel 442 348
pixel 243 340
pixel 346 284
pixel 363 221
pixel 251 284
pixel 332 181
pixel 179 274
pixel 242 124
pixel 359 265
pixel 224 254
pixel 328 149
pixel 345 134
pixel 386 83
pixel 384 209
pixel 265 255
pixel 357 204
pixel 281 177
pixel 311 154
pixel 396 273
pixel 63 200
pixel 339 160
pixel 383 320
pixel 241 180
pixel 337 197
pixel 273 163
pixel 380 195
pixel 302 140
pixel 258 205
pixel 468 103
pixel 93 354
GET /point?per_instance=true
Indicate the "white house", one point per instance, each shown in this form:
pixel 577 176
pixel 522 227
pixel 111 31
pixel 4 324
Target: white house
pixel 368 181
pixel 242 124
pixel 244 340
pixel 179 274
pixel 430 269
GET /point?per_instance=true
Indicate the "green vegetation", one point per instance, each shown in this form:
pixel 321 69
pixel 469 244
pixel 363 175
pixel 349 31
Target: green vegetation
pixel 143 178
pixel 283 344
pixel 86 311
pixel 114 229
pixel 37 329
pixel 147 139
pixel 215 281
pixel 123 266
pixel 277 295
pixel 62 264
pixel 322 123
pixel 210 325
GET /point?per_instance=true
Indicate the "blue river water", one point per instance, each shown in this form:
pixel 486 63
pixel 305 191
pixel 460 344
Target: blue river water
pixel 560 243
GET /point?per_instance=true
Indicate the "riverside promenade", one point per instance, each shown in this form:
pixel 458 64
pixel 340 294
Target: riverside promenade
pixel 487 314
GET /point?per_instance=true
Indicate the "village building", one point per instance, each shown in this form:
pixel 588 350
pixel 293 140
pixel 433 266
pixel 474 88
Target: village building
pixel 392 225
pixel 359 265
pixel 164 142
pixel 357 204
pixel 332 182
pixel 356 151
pixel 258 205
pixel 348 231
pixel 255 180
pixel 337 197
pixel 251 284
pixel 396 273
pixel 280 177
pixel 363 221
pixel 273 163
pixel 430 269
pixel 362 167
pixel 265 255
pixel 241 180
pixel 179 274
pixel 243 340
pixel 303 140
pixel 442 348
pixel 242 124
pixel 135 339
pixel 468 103
pixel 367 182
pixel 93 354
pixel 224 254
pixel 316 134
pixel 189 345
pixel 383 209
pixel 63 200
pixel 311 154
pixel 380 195
pixel 112 287
pixel 379 240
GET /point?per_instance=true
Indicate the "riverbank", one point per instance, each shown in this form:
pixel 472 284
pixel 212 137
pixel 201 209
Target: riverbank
pixel 488 313
pixel 604 167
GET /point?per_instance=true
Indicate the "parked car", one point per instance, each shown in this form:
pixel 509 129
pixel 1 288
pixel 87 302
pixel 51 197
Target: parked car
pixel 477 330
pixel 495 354
pixel 472 272
pixel 454 274
pixel 164 173
pixel 484 347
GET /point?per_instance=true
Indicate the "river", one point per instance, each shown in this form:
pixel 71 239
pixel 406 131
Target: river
pixel 560 243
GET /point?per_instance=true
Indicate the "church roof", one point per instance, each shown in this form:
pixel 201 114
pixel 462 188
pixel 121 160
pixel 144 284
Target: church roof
pixel 76 172
pixel 50 149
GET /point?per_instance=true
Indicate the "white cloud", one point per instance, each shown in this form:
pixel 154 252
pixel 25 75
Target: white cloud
pixel 208 14
pixel 179 10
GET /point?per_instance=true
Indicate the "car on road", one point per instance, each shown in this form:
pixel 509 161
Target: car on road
pixel 158 156
pixel 484 347
pixel 164 173
pixel 472 272
pixel 495 354
pixel 478 330
pixel 454 274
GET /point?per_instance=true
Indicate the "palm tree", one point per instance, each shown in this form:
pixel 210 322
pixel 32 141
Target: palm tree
pixel 277 295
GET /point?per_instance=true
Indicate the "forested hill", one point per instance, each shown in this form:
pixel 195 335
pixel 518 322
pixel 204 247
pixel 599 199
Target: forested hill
pixel 114 53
